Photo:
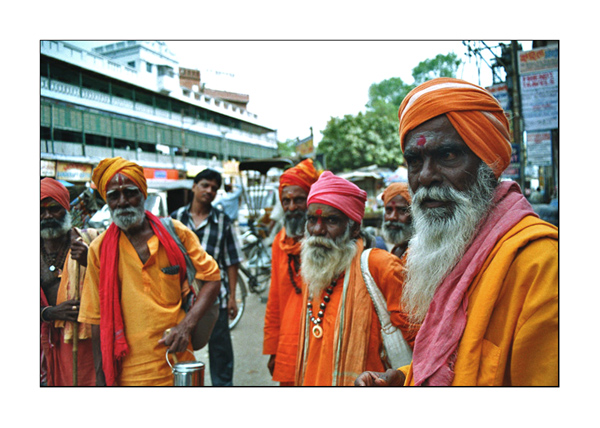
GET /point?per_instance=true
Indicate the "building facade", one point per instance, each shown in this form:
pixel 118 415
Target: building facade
pixel 131 99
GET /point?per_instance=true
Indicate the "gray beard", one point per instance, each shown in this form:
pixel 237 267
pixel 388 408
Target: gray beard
pixel 294 224
pixel 124 222
pixel 324 259
pixel 51 229
pixel 396 236
pixel 441 238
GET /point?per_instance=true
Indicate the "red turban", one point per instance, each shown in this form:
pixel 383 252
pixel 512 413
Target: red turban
pixel 304 175
pixel 396 189
pixel 50 188
pixel 474 112
pixel 108 168
pixel 339 193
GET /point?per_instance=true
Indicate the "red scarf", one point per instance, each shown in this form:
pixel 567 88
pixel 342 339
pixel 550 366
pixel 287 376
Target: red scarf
pixel 112 334
pixel 439 336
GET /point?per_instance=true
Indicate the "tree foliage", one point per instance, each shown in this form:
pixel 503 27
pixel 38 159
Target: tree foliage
pixel 371 138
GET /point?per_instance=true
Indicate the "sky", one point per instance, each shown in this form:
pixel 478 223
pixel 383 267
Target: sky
pixel 295 85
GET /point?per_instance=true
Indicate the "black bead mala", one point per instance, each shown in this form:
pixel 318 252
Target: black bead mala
pixel 317 330
pixel 291 258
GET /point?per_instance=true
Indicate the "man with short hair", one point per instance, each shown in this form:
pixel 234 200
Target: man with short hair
pixel 397 228
pixel 340 332
pixel 215 232
pixel 482 269
pixel 284 305
pixel 63 261
pixel 136 284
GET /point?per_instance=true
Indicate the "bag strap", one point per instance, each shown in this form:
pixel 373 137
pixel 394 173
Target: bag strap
pixel 376 296
pixel 191 270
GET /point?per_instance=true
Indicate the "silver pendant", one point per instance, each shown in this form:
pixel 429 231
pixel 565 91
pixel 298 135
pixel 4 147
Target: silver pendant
pixel 52 268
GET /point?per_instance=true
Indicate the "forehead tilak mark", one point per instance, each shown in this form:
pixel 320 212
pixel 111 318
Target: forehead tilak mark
pixel 421 141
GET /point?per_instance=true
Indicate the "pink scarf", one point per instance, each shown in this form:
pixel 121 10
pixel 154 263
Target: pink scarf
pixel 112 330
pixel 437 341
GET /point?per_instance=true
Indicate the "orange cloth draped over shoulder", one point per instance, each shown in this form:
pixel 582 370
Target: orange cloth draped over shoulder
pixel 304 175
pixel 511 334
pixel 284 308
pixel 351 340
pixel 394 190
pixel 473 111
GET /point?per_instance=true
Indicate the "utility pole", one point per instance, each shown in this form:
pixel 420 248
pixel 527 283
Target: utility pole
pixel 516 107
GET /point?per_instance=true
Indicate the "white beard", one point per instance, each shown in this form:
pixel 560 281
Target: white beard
pixel 56 228
pixel 441 238
pixel 397 236
pixel 324 259
pixel 124 222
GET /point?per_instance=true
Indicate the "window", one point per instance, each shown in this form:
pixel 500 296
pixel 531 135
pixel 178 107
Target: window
pixel 149 67
pixel 131 64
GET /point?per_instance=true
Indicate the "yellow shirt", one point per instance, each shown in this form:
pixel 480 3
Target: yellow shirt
pixel 150 303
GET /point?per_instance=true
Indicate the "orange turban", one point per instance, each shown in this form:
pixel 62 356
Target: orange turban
pixel 396 189
pixel 50 188
pixel 474 112
pixel 304 175
pixel 107 169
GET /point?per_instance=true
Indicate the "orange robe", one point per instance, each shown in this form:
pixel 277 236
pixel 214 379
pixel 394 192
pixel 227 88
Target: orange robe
pixel 511 335
pixel 150 303
pixel 283 312
pixel 57 338
pixel 351 341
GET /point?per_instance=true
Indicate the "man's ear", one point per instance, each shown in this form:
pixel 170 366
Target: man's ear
pixel 355 230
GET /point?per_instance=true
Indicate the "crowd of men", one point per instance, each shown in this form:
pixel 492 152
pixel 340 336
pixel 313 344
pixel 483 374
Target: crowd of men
pixel 464 293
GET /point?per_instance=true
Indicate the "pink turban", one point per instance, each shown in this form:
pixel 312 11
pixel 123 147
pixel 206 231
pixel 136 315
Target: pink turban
pixel 50 188
pixel 339 193
pixel 473 112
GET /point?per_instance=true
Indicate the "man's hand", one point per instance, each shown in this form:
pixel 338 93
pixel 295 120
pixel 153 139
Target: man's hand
pixel 66 311
pixel 232 308
pixel 176 338
pixel 79 249
pixel 271 364
pixel 390 378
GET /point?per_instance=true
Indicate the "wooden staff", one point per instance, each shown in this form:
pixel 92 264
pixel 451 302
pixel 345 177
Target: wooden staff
pixel 75 280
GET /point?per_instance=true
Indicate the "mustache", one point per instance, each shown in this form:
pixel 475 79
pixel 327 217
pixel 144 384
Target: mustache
pixel 50 223
pixel 397 224
pixel 320 241
pixel 122 211
pixel 442 194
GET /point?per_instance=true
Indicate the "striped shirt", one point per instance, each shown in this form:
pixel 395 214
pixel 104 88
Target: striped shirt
pixel 218 239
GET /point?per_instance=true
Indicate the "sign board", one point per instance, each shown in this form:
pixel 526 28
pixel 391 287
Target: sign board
pixel 539 148
pixel 305 148
pixel 500 92
pixel 161 174
pixel 539 88
pixel 76 172
pixel 536 60
pixel 47 168
pixel 231 168
pixel 514 169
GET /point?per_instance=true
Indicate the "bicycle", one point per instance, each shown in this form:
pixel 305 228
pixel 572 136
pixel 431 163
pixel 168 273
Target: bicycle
pixel 254 274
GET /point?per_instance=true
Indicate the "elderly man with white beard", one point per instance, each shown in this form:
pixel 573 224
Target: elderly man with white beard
pixel 482 268
pixel 284 305
pixel 340 335
pixel 137 283
pixel 63 261
pixel 397 228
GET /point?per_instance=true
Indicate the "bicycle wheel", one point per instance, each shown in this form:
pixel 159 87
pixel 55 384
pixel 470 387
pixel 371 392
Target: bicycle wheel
pixel 241 292
pixel 258 264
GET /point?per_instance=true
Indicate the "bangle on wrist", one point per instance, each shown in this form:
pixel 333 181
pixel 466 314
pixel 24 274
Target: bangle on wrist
pixel 42 314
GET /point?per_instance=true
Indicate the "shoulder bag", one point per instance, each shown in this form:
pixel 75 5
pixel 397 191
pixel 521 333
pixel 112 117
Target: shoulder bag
pixel 204 328
pixel 397 352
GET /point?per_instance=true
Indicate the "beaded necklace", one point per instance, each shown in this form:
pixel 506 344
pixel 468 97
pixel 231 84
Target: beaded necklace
pixel 317 330
pixel 56 262
pixel 291 273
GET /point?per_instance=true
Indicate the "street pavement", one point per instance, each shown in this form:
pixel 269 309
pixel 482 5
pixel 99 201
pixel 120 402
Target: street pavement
pixel 250 366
